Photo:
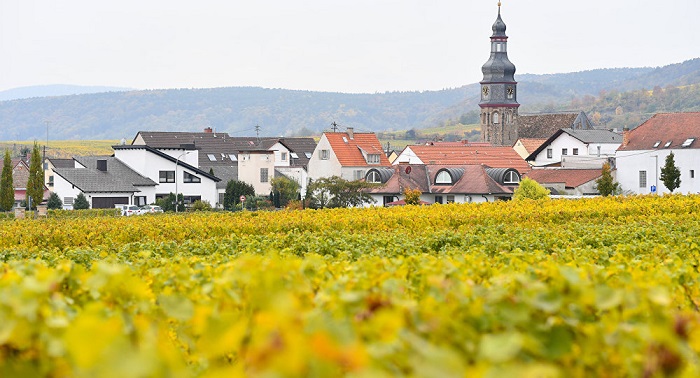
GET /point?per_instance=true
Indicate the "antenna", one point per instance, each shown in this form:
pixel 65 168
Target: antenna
pixel 257 132
pixel 335 126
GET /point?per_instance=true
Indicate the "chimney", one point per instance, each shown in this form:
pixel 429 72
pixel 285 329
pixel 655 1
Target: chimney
pixel 625 136
pixel 208 130
pixel 102 165
pixel 351 132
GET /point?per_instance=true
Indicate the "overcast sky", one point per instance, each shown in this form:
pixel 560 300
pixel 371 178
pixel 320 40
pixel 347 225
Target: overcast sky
pixel 329 45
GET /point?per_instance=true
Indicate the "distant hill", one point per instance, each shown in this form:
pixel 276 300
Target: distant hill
pixel 237 110
pixel 54 90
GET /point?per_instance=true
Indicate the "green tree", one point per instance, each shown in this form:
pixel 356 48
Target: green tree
pixel 234 190
pixel 530 189
pixel 54 202
pixel 670 174
pixel 411 196
pixel 81 203
pixel 286 189
pixel 606 185
pixel 167 203
pixel 7 190
pixel 201 206
pixel 337 192
pixel 35 184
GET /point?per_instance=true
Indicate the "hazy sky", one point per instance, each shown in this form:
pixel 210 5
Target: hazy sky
pixel 328 45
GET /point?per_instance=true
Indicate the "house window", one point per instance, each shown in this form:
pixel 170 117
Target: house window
pixel 642 179
pixel 324 154
pixel 51 180
pixel 263 174
pixel 438 199
pixel 284 156
pixel 358 174
pixel 692 173
pixel 443 177
pixel 495 117
pixel 387 199
pixel 373 177
pixel 190 178
pixel 221 198
pixel 68 201
pixel 575 151
pixel 373 159
pixel 598 151
pixel 140 200
pixel 450 199
pixel 511 177
pixel 549 153
pixel 166 176
pixel 564 151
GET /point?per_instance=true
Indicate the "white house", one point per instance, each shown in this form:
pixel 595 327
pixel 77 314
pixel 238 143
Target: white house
pixel 348 155
pixel 104 180
pixel 173 172
pixel 644 150
pixel 574 148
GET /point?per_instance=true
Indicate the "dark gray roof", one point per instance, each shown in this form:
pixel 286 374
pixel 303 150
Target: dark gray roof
pixel 62 163
pixel 221 145
pixel 224 172
pixel 543 126
pixel 595 136
pixel 118 178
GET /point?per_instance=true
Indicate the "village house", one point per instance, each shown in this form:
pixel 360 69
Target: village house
pixel 644 149
pixel 576 148
pixel 440 183
pixel 568 182
pixel 348 155
pixel 451 153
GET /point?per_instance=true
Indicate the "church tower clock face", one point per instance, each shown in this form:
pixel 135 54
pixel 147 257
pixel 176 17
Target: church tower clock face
pixel 485 90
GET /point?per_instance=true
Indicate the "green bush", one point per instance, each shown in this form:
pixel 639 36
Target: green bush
pixel 530 189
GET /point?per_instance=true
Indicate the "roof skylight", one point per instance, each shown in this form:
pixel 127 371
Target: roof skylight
pixel 658 142
pixel 667 144
pixel 688 142
pixel 211 157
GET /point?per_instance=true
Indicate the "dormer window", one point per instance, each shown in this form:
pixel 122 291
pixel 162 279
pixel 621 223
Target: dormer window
pixel 373 177
pixel 511 177
pixel 444 178
pixel 373 159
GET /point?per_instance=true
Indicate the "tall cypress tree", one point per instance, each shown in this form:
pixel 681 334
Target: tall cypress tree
pixel 7 190
pixel 670 174
pixel 35 185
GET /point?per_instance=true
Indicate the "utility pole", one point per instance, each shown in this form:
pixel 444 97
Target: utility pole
pixel 47 140
pixel 257 132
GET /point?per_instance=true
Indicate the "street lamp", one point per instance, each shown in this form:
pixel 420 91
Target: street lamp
pixel 177 161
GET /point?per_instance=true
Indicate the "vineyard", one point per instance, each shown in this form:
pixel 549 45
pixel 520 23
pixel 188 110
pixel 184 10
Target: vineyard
pixel 601 287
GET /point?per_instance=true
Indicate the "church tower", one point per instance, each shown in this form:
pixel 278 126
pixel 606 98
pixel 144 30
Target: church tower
pixel 499 105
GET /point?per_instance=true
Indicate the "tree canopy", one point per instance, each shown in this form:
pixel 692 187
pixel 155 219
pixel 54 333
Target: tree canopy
pixel 7 191
pixel 670 174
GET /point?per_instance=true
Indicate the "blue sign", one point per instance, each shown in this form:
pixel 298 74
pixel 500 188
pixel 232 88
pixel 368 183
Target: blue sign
pixel 653 188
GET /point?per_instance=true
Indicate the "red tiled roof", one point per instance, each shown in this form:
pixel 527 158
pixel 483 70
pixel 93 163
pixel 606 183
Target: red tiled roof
pixel 571 178
pixel 472 180
pixel 490 156
pixel 531 144
pixel 664 128
pixel 348 150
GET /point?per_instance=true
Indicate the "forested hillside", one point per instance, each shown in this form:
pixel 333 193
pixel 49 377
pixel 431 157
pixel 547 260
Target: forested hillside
pixel 620 96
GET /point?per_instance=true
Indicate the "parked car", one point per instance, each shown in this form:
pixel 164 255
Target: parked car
pixel 128 210
pixel 151 209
